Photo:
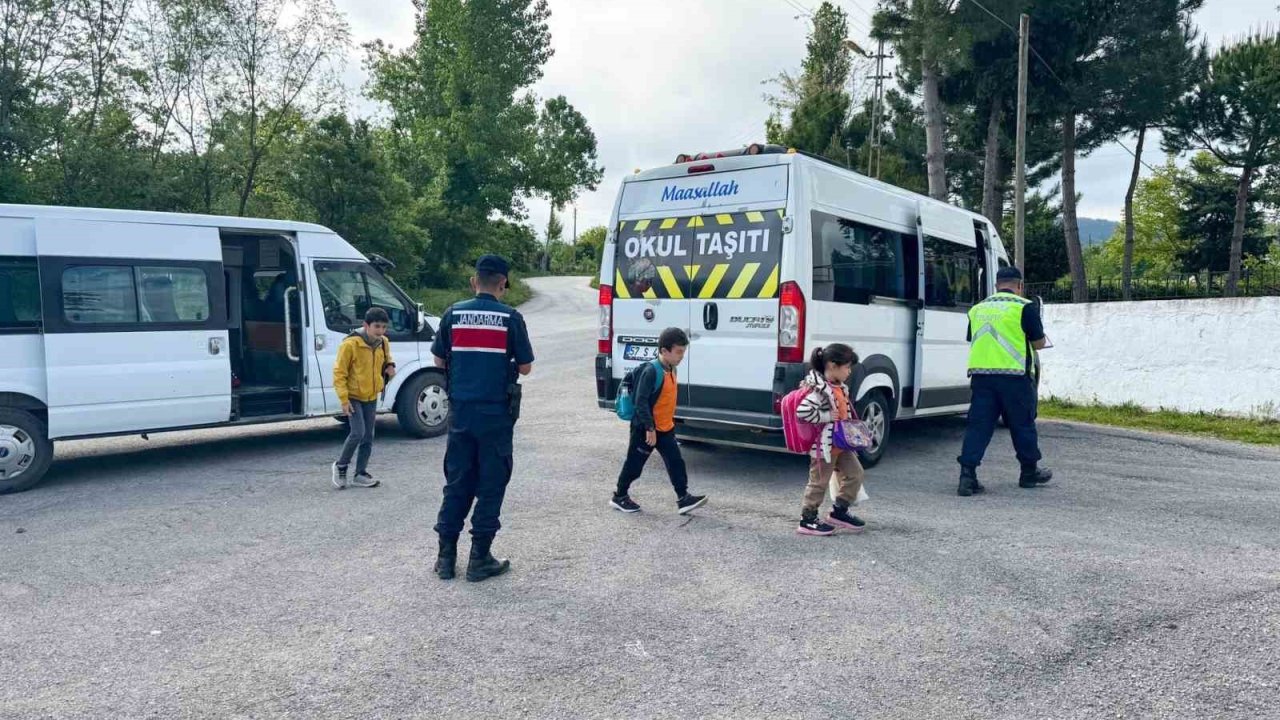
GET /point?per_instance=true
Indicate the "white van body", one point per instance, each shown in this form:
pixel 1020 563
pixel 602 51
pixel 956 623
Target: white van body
pixel 118 322
pixel 762 258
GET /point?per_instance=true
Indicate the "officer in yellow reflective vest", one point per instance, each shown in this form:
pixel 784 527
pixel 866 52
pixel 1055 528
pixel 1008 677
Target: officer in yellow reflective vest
pixel 1004 331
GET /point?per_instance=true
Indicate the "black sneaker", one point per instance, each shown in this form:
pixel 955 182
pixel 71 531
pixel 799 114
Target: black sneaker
pixel 339 476
pixel 842 518
pixel 814 526
pixel 624 503
pixel 689 503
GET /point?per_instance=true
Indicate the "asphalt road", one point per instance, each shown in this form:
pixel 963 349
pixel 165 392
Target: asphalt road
pixel 217 574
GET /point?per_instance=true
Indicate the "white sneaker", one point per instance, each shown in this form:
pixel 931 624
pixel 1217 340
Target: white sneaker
pixel 364 480
pixel 339 477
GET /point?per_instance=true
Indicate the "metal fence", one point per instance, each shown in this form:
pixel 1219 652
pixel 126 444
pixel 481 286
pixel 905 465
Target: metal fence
pixel 1253 283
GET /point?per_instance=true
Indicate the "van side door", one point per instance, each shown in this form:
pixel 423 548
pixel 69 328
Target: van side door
pixel 135 326
pixel 951 281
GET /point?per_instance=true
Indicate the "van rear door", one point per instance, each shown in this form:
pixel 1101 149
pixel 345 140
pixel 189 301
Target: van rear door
pixel 734 310
pixel 702 252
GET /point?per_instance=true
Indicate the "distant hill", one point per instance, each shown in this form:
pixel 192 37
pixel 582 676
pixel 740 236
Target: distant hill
pixel 1094 231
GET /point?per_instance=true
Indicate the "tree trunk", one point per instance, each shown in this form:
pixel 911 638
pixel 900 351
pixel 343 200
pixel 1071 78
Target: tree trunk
pixel 1237 231
pixel 250 177
pixel 1070 224
pixel 1128 215
pixel 935 153
pixel 991 164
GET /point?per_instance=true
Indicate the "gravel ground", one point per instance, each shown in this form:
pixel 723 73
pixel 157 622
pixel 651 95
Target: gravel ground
pixel 217 574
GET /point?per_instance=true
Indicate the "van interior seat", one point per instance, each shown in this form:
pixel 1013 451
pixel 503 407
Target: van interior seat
pixel 157 300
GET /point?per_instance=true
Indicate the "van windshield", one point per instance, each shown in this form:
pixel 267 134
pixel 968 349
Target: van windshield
pixel 711 256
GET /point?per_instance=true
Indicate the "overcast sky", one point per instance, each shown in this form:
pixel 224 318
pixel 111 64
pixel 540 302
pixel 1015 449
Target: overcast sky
pixel 655 78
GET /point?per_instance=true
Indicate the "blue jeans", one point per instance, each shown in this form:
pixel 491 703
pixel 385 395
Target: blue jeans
pixel 1014 396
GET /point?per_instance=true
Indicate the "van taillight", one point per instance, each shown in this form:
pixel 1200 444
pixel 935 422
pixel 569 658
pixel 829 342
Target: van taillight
pixel 606 320
pixel 790 324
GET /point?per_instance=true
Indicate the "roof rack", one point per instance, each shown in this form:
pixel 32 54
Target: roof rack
pixel 752 149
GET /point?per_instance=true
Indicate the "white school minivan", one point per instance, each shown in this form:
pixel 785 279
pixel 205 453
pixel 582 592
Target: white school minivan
pixel 763 254
pixel 118 322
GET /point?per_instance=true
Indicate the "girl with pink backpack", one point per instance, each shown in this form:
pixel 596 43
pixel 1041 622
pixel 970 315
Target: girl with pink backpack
pixel 826 409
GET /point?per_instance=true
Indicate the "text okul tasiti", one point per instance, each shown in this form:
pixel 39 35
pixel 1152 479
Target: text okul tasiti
pixel 726 244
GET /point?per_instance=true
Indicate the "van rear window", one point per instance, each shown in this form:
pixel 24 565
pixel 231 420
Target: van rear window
pixel 714 256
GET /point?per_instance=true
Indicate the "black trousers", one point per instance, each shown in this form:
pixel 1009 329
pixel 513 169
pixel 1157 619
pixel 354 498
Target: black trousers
pixel 1014 396
pixel 477 468
pixel 638 452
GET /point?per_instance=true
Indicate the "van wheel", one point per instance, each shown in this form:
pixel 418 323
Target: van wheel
pixel 25 450
pixel 874 409
pixel 423 406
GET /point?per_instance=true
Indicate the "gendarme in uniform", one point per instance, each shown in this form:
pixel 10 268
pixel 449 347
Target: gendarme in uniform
pixel 1004 331
pixel 484 345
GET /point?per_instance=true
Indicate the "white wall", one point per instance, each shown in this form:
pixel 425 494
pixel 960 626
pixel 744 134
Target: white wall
pixel 1190 355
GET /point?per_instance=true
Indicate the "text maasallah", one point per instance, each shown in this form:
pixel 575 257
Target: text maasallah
pixel 716 189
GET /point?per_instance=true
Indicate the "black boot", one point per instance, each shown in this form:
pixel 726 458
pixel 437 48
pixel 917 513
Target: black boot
pixel 1033 476
pixel 447 559
pixel 969 484
pixel 484 565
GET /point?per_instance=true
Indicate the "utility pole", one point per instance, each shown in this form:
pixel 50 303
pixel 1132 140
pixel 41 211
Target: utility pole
pixel 877 109
pixel 575 224
pixel 1020 191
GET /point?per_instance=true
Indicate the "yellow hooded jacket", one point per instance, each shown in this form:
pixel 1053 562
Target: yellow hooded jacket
pixel 357 375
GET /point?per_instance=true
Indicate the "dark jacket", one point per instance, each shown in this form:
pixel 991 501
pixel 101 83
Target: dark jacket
pixel 645 398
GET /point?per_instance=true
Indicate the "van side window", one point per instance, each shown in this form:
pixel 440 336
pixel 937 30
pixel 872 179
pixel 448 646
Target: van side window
pixel 19 295
pixel 93 295
pixel 853 261
pixel 171 295
pixel 951 274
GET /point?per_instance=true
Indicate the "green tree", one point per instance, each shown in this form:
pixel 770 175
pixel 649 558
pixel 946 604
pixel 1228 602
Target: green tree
pixel 1208 218
pixel 467 130
pixel 817 119
pixel 1150 244
pixel 1233 112
pixel 343 181
pixel 924 34
pixel 1046 259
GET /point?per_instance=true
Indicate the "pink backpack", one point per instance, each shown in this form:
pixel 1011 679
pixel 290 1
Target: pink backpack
pixel 800 436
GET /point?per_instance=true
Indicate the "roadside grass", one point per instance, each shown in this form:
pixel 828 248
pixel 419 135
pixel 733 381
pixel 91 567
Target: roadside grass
pixel 1254 431
pixel 436 300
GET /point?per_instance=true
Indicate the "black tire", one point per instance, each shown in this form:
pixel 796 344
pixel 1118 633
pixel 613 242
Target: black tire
pixel 875 410
pixel 430 417
pixel 25 450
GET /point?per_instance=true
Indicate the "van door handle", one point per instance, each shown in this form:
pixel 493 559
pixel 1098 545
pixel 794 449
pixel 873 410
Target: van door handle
pixel 215 346
pixel 710 316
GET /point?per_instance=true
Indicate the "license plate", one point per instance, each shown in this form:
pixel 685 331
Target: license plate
pixel 640 352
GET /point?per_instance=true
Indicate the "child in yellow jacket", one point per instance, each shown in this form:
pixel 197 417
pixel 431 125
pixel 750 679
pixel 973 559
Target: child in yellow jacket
pixel 363 368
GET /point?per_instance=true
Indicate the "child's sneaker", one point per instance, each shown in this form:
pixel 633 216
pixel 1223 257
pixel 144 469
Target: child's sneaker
pixel 364 480
pixel 813 526
pixel 689 503
pixel 624 503
pixel 842 518
pixel 339 476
